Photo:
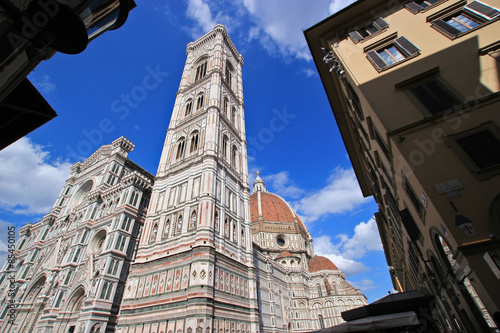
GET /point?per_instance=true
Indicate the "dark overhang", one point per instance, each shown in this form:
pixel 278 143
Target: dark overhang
pixel 21 112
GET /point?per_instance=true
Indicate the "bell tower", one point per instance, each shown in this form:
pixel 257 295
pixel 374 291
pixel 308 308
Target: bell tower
pixel 194 266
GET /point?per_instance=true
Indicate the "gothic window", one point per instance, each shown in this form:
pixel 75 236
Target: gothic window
pixel 233 115
pixel 226 228
pixel 216 221
pixel 320 292
pixel 194 142
pixel 321 321
pixel 235 237
pixel 199 102
pixel 96 328
pixel 201 71
pixel 106 290
pixel 180 148
pixel 192 221
pixel 167 227
pixel 224 146
pixel 126 223
pixel 133 198
pixel 225 106
pixel 189 107
pixel 234 153
pixel 243 237
pixel 229 73
pixel 59 299
pixel 179 225
pixel 154 232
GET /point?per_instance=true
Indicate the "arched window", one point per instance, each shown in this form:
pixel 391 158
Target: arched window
pixel 106 290
pixel 166 228
pixel 180 148
pixel 199 102
pixel 216 221
pixel 243 237
pixel 320 292
pixel 321 321
pixel 225 107
pixel 192 220
pixel 234 153
pixel 189 107
pixel 233 115
pixel 235 237
pixel 226 228
pixel 194 142
pixel 229 73
pixel 201 71
pixel 154 232
pixel 225 143
pixel 179 225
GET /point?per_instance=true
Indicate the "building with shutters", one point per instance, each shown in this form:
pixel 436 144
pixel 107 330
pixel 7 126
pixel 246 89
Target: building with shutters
pixel 414 88
pixel 195 251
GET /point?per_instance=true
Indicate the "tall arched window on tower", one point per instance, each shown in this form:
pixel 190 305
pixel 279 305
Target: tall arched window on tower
pixel 192 220
pixel 194 142
pixel 226 228
pixel 180 148
pixel 201 71
pixel 166 228
pixel 154 232
pixel 321 321
pixel 233 115
pixel 225 106
pixel 225 142
pixel 178 228
pixel 189 107
pixel 216 221
pixel 234 154
pixel 229 73
pixel 199 102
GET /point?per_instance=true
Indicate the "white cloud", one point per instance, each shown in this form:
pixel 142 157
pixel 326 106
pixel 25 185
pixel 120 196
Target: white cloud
pixel 365 284
pixel 207 14
pixel 281 24
pixel 199 11
pixel 342 194
pixel 43 82
pixel 323 246
pixel 282 185
pixel 345 250
pixel 30 182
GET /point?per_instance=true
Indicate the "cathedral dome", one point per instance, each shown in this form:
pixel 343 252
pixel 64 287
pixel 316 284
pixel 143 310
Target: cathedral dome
pixel 319 263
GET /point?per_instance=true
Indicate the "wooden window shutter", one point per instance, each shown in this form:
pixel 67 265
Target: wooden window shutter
pixel 407 46
pixel 483 10
pixel 482 147
pixel 355 36
pixel 380 23
pixel 376 59
pixel 445 27
pixel 413 7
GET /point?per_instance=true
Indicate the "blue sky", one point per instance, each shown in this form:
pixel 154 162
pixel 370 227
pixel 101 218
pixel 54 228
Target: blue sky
pixel 99 96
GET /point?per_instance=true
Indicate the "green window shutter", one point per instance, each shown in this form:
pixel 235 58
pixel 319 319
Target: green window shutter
pixel 380 23
pixel 413 7
pixel 355 36
pixel 376 59
pixel 483 10
pixel 407 46
pixel 445 27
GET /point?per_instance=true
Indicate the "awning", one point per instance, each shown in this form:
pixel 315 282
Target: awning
pixel 392 320
pixel 21 112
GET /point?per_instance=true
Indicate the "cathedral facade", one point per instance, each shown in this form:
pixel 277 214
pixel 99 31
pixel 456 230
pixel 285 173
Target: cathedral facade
pixel 188 250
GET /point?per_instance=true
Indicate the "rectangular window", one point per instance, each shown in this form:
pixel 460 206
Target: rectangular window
pixel 421 5
pixel 482 147
pixel 412 195
pixel 68 278
pixel 368 30
pixel 400 49
pixel 434 96
pixel 471 16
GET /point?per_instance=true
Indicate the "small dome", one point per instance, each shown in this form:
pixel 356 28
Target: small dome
pixel 284 254
pixel 319 263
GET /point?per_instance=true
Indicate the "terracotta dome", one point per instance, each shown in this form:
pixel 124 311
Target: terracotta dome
pixel 273 208
pixel 284 254
pixel 319 263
